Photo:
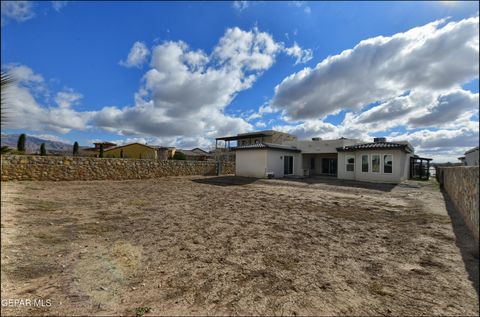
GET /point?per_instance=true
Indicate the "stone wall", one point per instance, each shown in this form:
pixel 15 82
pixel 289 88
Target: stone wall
pixel 462 184
pixel 56 168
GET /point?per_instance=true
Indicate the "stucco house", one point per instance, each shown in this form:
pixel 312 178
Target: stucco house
pixel 227 151
pixel 471 157
pixel 132 150
pixel 378 161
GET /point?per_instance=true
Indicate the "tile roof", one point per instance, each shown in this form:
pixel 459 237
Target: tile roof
pixel 376 146
pixel 265 145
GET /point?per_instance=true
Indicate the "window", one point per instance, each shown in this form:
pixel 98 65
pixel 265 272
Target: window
pixel 365 163
pixel 312 163
pixel 388 163
pixel 350 163
pixel 244 142
pixel 257 141
pixel 375 163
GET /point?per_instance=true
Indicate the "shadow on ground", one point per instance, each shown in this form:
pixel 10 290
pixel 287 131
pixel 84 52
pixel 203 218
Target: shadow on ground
pixel 226 180
pixel 341 182
pixel 465 241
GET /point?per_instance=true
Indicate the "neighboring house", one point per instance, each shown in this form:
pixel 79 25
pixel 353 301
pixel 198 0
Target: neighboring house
pixel 226 152
pixel 471 157
pixel 94 151
pixel 165 153
pixel 196 154
pixel 132 150
pixel 379 161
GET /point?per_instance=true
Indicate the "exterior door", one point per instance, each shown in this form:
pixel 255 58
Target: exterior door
pixel 329 166
pixel 288 165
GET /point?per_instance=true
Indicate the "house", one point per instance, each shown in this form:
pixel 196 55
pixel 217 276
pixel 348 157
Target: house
pixel 378 161
pixel 165 152
pixel 132 150
pixel 227 153
pixel 196 154
pixel 471 157
pixel 94 151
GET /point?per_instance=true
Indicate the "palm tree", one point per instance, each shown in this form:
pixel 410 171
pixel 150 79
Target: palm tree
pixel 6 81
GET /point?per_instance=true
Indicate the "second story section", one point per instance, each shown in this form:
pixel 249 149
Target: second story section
pixel 317 145
pixel 267 136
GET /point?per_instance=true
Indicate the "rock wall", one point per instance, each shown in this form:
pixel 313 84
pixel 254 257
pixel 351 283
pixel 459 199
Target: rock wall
pixel 462 184
pixel 56 168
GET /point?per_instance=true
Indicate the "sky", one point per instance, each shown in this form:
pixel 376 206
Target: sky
pixel 182 73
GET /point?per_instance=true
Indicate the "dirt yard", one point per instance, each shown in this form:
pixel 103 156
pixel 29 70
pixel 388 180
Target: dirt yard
pixel 225 245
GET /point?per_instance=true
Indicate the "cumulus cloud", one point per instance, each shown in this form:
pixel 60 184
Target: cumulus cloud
pixel 302 55
pixel 137 57
pixel 19 11
pixel 25 112
pixel 67 98
pixel 184 94
pixel 433 57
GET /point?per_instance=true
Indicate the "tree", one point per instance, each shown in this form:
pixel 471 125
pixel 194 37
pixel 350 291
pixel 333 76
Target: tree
pixel 21 142
pixel 75 148
pixel 179 156
pixel 121 153
pixel 43 151
pixel 101 151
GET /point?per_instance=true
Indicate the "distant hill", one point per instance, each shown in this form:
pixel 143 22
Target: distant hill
pixel 32 144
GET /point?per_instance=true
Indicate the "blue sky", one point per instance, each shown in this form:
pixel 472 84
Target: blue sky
pixel 73 62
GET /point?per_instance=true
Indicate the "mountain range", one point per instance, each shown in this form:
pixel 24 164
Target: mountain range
pixel 32 144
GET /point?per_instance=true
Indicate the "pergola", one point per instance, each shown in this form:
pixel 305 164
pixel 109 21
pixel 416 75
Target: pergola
pixel 419 168
pixel 227 139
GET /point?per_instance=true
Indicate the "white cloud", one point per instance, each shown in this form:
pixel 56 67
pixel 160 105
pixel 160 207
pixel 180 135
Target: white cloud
pixel 434 57
pixel 302 55
pixel 67 98
pixel 302 4
pixel 19 11
pixel 260 124
pixel 51 137
pixel 137 57
pixel 240 5
pixel 24 74
pixel 184 94
pixel 25 112
pixel 59 5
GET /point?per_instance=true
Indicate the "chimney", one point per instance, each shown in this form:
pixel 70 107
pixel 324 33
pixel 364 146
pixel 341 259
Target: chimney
pixel 316 139
pixel 377 140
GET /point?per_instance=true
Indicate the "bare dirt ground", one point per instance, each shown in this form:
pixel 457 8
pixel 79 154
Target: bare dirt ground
pixel 226 245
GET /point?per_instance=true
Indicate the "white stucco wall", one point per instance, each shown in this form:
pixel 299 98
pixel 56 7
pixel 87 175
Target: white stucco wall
pixel 401 161
pixel 251 163
pixel 322 146
pixel 275 159
pixel 257 163
pixel 471 159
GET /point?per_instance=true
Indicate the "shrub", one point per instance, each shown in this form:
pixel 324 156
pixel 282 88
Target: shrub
pixel 121 153
pixel 21 142
pixel 179 156
pixel 75 148
pixel 101 151
pixel 43 151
